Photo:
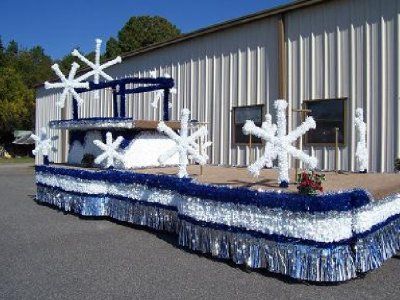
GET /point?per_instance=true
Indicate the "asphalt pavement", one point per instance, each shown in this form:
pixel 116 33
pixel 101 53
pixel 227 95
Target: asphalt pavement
pixel 46 254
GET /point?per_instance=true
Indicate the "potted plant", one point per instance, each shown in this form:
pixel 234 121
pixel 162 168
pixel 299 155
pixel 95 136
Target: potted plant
pixel 310 182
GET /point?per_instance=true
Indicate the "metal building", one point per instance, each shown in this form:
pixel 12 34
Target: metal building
pixel 306 50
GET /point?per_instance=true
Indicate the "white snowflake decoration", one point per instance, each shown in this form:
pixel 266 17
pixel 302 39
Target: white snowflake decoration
pixel 361 132
pixel 97 67
pixel 282 142
pixel 68 84
pixel 184 144
pixel 201 146
pixel 43 143
pixel 270 153
pixel 110 148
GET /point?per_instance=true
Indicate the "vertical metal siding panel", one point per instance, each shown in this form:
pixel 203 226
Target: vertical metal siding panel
pixel 383 92
pixel 359 47
pixel 213 73
pixel 229 109
pixel 396 121
pixel 390 20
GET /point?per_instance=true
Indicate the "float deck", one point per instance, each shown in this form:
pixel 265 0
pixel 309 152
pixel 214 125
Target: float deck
pixel 378 184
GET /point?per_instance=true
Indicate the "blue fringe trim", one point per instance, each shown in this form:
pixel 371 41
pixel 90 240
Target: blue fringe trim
pixel 291 257
pixel 345 201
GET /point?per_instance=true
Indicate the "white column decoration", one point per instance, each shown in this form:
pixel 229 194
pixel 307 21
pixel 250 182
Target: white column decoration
pixel 361 133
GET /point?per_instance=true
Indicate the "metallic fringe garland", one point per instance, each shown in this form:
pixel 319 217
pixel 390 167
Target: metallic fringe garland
pixel 371 251
pixel 295 260
pixel 122 210
pixel 305 262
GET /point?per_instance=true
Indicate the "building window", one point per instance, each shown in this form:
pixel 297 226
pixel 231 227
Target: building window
pixel 240 115
pixel 328 114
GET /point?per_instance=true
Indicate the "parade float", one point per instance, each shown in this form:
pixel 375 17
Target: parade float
pixel 144 172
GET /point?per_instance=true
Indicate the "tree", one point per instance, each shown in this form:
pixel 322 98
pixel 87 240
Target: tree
pixel 12 48
pixel 33 65
pixel 1 52
pixel 112 48
pixel 16 104
pixel 140 32
pixel 1 45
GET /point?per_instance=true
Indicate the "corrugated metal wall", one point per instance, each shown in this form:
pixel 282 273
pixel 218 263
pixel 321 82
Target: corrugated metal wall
pixel 213 73
pixel 336 49
pixel 350 49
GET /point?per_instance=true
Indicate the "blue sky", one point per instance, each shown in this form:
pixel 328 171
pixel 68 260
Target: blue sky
pixel 59 26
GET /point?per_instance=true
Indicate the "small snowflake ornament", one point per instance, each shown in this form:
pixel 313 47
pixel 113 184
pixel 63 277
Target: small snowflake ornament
pixel 97 67
pixel 361 150
pixel 68 84
pixel 184 144
pixel 43 144
pixel 201 146
pixel 282 142
pixel 270 152
pixel 110 148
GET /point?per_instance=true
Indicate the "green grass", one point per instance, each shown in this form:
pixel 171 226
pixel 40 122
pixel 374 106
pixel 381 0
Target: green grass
pixel 17 160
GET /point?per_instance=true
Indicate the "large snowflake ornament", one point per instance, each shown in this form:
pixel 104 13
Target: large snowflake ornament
pixel 68 84
pixel 185 144
pixel 361 150
pixel 282 141
pixel 43 143
pixel 110 148
pixel 270 152
pixel 97 68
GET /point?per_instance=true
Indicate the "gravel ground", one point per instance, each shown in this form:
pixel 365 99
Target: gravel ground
pixel 45 253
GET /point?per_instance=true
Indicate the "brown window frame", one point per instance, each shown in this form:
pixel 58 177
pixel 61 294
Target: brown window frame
pixel 344 101
pixel 233 124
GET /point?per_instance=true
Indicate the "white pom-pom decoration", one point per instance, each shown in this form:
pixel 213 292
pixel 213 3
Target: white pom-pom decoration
pixel 185 144
pixel 361 133
pixel 110 148
pixel 282 142
pixel 270 152
pixel 67 84
pixel 97 67
pixel 43 143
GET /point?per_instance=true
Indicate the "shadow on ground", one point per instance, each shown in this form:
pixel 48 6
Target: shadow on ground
pixel 172 240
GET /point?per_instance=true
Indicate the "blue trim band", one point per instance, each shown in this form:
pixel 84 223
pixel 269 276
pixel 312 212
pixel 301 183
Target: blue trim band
pixel 345 201
pixel 232 229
